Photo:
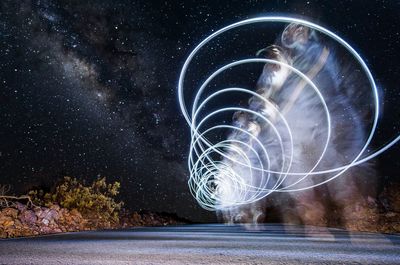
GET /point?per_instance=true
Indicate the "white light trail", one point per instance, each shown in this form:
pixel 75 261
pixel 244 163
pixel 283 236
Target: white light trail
pixel 215 184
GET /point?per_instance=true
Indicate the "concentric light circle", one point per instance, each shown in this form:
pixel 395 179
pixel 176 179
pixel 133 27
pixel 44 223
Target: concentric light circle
pixel 215 184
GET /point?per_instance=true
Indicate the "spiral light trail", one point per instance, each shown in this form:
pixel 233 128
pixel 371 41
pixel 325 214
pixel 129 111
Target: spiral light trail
pixel 214 183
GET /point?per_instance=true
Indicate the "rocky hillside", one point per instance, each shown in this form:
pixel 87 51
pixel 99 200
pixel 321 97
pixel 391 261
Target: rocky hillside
pixel 23 221
pixel 71 206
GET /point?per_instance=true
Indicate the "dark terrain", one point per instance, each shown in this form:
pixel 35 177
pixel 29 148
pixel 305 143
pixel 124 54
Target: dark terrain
pixel 206 244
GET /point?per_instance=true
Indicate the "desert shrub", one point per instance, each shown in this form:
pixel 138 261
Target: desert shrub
pixel 96 202
pixel 7 200
pixel 4 189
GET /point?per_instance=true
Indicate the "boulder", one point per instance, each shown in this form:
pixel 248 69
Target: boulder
pixel 28 217
pixel 48 214
pixel 4 219
pixel 8 223
pixel 20 206
pixel 38 211
pixel 12 212
pixel 45 221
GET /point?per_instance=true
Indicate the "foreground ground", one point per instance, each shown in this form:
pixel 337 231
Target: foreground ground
pixel 205 244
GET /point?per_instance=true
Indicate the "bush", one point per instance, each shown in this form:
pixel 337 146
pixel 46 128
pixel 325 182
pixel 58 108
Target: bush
pixel 95 202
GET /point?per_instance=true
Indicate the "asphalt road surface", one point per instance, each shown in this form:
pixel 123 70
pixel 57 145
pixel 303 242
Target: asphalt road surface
pixel 205 244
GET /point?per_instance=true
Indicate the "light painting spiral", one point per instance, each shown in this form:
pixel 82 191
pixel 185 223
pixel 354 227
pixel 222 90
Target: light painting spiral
pixel 261 154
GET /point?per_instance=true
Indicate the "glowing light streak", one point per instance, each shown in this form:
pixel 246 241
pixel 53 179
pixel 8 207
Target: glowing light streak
pixel 215 184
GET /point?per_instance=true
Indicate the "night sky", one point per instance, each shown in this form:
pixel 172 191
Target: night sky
pixel 89 88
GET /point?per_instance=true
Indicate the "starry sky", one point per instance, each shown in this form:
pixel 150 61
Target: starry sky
pixel 89 88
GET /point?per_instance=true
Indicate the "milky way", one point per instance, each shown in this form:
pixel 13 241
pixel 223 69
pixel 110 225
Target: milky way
pixel 94 100
pixel 90 89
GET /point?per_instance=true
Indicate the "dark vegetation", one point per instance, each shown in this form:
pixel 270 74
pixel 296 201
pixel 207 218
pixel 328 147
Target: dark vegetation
pixel 71 205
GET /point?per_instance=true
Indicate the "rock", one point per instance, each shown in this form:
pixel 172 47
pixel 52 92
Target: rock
pixel 20 206
pixel 12 212
pixel 75 214
pixel 54 214
pixel 390 214
pixel 3 233
pixel 5 219
pixel 49 215
pixel 45 230
pixel 8 223
pixel 55 207
pixel 22 221
pixel 17 224
pixel 43 213
pixel 38 211
pixel 28 217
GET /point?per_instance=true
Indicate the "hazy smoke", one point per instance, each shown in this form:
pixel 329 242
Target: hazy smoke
pixel 347 94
